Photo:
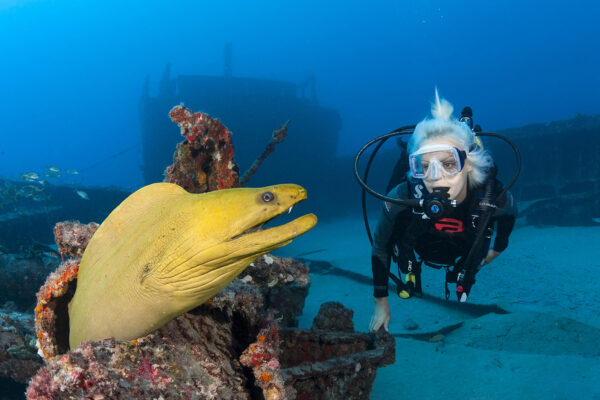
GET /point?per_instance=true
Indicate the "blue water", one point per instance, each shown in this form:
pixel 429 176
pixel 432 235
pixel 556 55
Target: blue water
pixel 72 74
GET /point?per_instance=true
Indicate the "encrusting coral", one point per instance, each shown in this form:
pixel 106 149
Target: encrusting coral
pixel 203 162
pixel 263 357
pixel 193 356
pixel 51 317
pixel 72 237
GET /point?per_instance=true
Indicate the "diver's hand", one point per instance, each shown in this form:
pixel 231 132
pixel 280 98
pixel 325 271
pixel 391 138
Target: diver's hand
pixel 490 257
pixel 381 315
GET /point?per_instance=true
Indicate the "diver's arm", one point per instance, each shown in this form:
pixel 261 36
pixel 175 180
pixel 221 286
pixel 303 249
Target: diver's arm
pixel 505 217
pixel 382 241
pixel 381 257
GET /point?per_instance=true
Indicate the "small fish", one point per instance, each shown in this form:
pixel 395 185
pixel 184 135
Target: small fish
pixel 82 194
pixel 30 176
pixel 40 197
pixel 28 191
pixel 72 172
pixel 52 175
pixel 52 168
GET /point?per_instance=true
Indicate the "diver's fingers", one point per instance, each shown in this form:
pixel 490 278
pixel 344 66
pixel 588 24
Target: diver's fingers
pixel 386 324
pixel 375 324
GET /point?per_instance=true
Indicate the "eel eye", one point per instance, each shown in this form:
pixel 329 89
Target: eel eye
pixel 268 197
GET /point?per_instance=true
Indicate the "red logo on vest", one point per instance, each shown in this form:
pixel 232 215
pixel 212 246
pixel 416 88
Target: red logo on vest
pixel 449 225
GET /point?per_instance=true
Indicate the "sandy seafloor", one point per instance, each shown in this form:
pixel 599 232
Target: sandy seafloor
pixel 546 347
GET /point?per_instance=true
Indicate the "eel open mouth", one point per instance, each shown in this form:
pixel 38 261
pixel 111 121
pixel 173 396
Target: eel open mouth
pixel 281 233
pixel 259 226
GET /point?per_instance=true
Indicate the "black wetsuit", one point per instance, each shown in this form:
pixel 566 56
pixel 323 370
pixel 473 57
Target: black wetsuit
pixel 445 242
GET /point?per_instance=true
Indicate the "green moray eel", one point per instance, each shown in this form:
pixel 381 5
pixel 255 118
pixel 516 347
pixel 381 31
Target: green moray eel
pixel 164 251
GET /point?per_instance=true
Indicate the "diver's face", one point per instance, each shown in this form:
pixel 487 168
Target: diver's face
pixel 457 182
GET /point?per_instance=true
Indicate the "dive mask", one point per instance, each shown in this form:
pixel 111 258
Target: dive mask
pixel 434 159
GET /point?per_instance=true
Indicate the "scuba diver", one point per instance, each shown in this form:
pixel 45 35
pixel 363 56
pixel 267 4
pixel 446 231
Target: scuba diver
pixel 448 165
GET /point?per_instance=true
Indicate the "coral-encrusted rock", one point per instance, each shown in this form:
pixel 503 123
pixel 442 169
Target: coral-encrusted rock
pixel 284 282
pixel 73 237
pixel 51 315
pixel 317 364
pixel 334 316
pixel 204 161
pixel 329 365
pixel 203 345
pixel 241 298
pixel 263 357
pixel 18 355
pixel 324 365
pixel 270 283
pixel 189 358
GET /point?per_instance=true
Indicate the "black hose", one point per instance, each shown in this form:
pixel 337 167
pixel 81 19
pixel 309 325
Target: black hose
pixel 398 131
pixel 488 211
pixel 517 154
pixel 408 203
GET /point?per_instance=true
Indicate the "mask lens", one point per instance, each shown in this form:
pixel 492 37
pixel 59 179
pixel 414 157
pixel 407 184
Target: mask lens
pixel 433 162
pixel 417 168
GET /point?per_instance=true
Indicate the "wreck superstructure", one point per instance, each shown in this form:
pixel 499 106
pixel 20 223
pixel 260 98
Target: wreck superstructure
pixel 252 109
pixel 559 182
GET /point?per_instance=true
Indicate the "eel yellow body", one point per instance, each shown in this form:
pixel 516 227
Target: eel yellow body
pixel 164 251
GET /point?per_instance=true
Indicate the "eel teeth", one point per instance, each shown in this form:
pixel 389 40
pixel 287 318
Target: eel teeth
pixel 290 209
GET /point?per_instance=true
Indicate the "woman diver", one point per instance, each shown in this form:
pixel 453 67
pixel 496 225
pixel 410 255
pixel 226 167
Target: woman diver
pixel 447 162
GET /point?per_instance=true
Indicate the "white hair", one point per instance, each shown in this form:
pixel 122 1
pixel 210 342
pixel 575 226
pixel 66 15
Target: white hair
pixel 443 125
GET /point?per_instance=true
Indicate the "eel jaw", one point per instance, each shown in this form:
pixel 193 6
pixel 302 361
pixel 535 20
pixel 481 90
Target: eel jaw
pixel 262 241
pixel 258 226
